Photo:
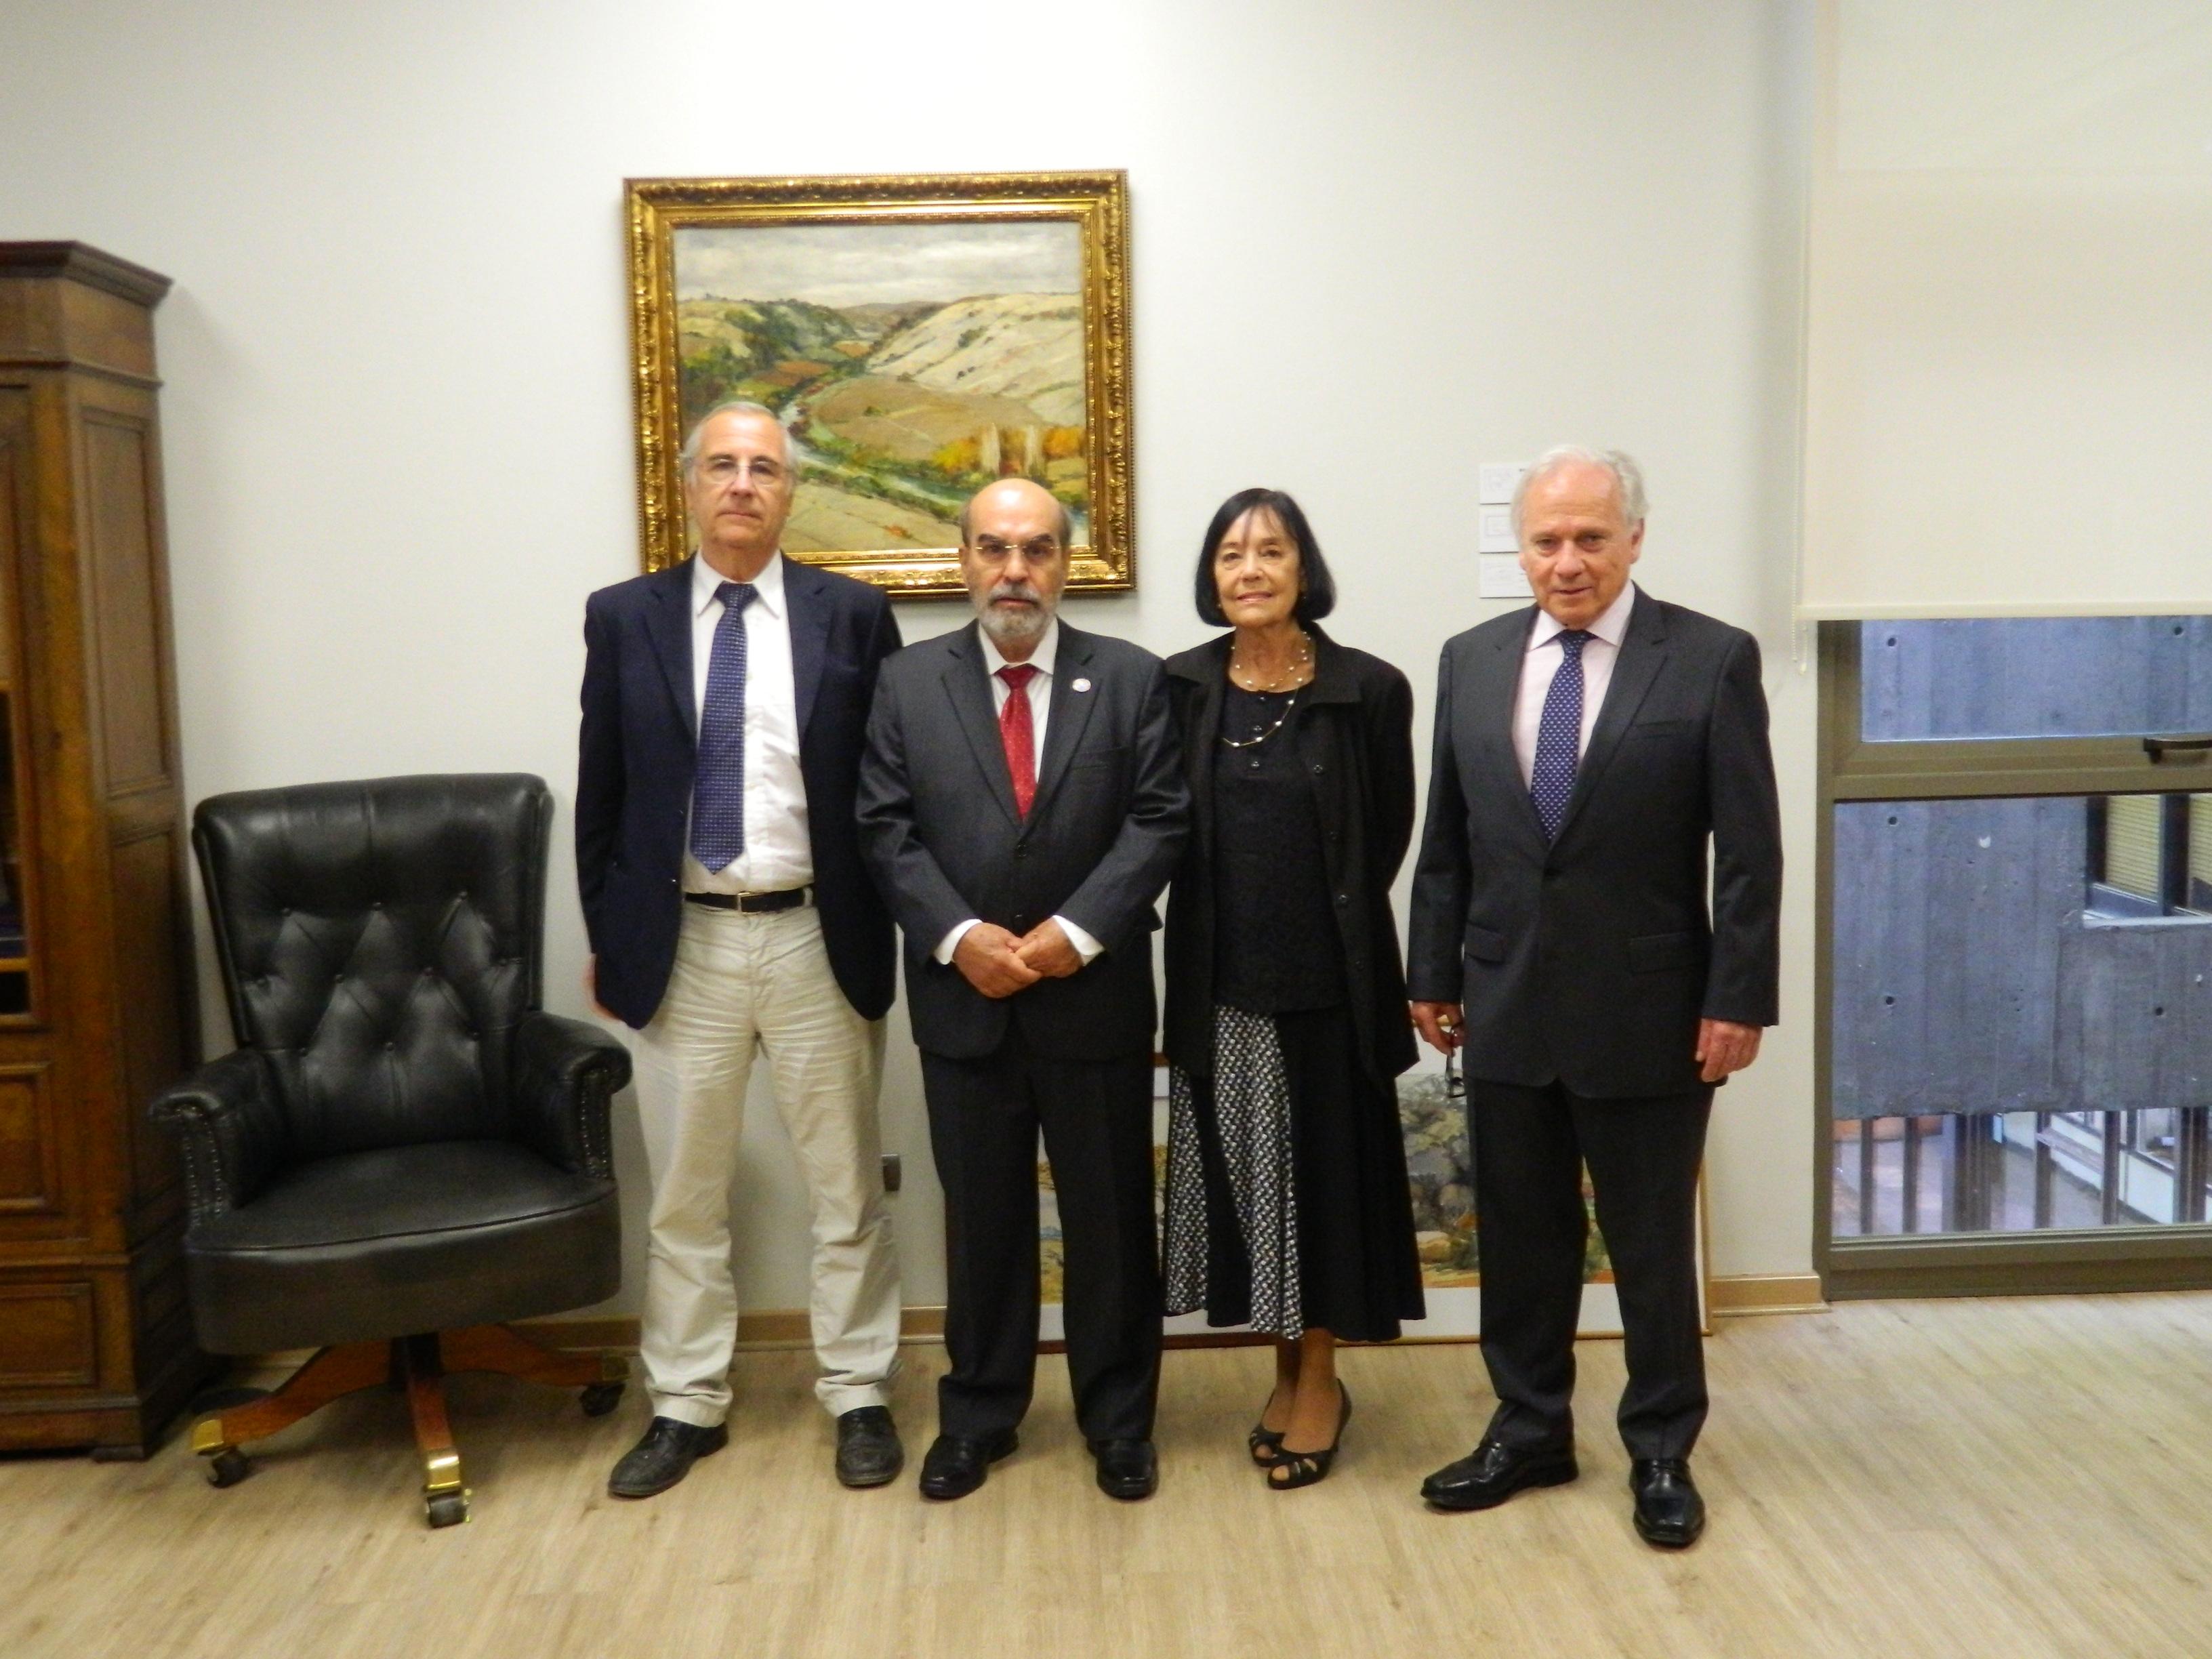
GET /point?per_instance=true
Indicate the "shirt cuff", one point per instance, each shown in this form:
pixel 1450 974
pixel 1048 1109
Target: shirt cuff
pixel 950 942
pixel 1086 946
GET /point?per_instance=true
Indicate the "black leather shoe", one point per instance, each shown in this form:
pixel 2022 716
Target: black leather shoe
pixel 868 1450
pixel 1494 1471
pixel 1127 1469
pixel 664 1457
pixel 954 1467
pixel 1669 1513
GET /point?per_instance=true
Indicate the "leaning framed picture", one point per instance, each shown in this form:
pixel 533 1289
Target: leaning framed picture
pixel 918 338
pixel 1440 1168
pixel 1440 1172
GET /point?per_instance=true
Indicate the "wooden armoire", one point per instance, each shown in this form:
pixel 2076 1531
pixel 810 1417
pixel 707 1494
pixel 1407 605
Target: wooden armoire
pixel 97 991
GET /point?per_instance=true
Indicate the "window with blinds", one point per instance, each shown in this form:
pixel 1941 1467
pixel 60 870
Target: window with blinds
pixel 2149 856
pixel 2200 853
pixel 2134 846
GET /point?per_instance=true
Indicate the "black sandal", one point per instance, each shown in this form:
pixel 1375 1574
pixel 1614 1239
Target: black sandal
pixel 1266 1444
pixel 1305 1468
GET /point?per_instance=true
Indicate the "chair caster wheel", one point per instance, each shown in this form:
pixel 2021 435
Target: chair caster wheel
pixel 600 1398
pixel 228 1468
pixel 447 1509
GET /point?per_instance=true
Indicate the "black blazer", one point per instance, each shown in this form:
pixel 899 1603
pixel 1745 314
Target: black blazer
pixel 1104 831
pixel 1355 737
pixel 635 764
pixel 1591 959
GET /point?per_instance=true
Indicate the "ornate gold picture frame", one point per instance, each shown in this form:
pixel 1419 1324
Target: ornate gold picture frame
pixel 919 336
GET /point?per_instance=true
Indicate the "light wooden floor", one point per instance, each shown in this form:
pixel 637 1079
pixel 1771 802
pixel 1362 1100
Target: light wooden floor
pixel 2011 1479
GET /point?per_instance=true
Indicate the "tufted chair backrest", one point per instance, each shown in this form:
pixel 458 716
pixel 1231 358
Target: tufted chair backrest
pixel 378 942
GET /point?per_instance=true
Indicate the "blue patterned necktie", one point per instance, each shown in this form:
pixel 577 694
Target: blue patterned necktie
pixel 718 784
pixel 1558 736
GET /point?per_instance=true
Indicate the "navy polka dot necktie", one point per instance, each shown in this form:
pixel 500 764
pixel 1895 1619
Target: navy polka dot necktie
pixel 1558 736
pixel 718 785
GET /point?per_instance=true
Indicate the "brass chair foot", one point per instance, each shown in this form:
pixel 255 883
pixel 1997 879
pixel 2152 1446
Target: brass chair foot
pixel 445 1499
pixel 441 1473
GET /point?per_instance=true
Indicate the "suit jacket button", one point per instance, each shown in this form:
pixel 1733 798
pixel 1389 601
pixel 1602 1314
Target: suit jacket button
pixel 1021 851
pixel 1343 899
pixel 1319 769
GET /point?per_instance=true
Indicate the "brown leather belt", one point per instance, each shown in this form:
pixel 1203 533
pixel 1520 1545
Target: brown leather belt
pixel 792 898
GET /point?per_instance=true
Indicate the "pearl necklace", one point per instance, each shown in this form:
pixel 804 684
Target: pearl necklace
pixel 1253 743
pixel 1297 671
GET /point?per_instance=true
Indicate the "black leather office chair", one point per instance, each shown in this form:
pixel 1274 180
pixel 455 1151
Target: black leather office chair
pixel 404 1149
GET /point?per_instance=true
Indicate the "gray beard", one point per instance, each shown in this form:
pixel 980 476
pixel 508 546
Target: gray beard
pixel 1014 627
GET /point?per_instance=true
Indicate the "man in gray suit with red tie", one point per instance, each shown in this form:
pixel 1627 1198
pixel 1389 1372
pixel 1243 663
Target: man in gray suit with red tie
pixel 1589 751
pixel 1023 806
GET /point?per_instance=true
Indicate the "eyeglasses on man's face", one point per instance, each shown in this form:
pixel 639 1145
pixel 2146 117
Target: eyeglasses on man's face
pixel 722 471
pixel 1037 549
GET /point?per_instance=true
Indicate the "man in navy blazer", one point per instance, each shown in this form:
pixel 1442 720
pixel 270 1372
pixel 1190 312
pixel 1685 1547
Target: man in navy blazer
pixel 725 706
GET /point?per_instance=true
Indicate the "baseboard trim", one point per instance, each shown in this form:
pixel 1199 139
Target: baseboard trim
pixel 765 1332
pixel 1732 1296
pixel 1740 1294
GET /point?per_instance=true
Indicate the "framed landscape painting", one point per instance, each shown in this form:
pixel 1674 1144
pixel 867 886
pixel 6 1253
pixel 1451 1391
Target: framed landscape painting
pixel 918 337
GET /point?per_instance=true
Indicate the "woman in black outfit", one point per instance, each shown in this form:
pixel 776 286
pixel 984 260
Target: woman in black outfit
pixel 1288 1207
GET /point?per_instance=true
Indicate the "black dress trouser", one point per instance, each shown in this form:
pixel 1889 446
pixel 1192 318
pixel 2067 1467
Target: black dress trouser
pixel 1097 1115
pixel 1530 1144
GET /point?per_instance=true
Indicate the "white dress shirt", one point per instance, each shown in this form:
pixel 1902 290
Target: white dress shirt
pixel 779 853
pixel 1045 659
pixel 1542 661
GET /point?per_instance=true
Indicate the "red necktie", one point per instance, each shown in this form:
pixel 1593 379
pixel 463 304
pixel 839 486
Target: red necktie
pixel 1019 733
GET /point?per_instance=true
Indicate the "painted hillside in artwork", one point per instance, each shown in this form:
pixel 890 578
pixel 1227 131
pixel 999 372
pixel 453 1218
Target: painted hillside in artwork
pixel 904 388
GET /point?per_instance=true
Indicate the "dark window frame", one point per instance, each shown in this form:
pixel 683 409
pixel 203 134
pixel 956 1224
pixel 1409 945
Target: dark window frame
pixel 2168 1255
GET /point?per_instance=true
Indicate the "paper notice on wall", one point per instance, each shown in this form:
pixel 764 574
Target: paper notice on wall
pixel 1503 577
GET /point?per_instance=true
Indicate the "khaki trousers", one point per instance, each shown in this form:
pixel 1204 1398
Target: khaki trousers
pixel 744 985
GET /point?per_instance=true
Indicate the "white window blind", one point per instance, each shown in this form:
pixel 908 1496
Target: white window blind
pixel 2133 844
pixel 2009 309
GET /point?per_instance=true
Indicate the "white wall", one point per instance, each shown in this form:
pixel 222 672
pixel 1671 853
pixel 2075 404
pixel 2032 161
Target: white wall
pixel 1370 248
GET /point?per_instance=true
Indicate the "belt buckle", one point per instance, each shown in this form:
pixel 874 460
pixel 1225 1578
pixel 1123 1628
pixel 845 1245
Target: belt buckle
pixel 797 901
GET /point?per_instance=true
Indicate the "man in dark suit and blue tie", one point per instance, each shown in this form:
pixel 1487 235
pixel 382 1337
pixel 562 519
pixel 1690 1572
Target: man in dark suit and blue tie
pixel 1023 804
pixel 1589 751
pixel 725 701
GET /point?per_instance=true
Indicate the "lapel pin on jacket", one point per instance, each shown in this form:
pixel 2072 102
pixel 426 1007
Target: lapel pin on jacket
pixel 1081 685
